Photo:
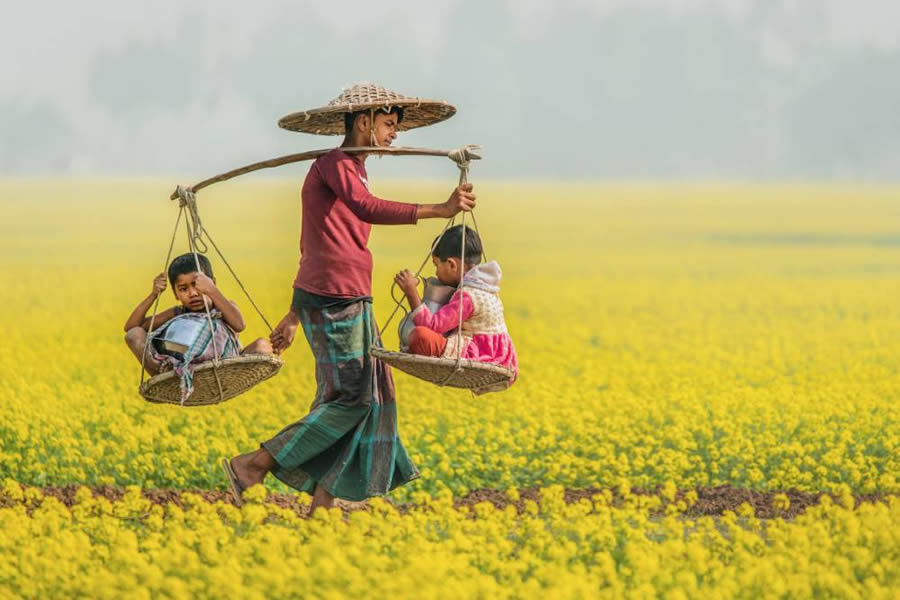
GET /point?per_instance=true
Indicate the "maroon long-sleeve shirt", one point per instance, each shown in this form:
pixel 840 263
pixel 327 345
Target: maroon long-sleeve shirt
pixel 338 213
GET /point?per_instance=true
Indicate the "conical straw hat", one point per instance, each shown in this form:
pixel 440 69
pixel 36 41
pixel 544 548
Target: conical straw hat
pixel 329 119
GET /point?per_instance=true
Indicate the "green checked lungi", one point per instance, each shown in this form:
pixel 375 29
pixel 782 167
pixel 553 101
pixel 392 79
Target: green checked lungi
pixel 348 443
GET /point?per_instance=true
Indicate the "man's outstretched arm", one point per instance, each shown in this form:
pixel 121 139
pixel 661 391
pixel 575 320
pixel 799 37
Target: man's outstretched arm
pixel 461 200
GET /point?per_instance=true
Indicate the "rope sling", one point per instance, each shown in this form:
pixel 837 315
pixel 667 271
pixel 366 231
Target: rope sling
pixel 221 379
pixel 458 372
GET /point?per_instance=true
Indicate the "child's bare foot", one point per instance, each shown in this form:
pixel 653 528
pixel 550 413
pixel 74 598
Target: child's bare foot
pixel 135 338
pixel 259 346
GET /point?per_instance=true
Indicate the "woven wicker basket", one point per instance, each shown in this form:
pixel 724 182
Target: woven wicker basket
pixel 471 375
pixel 329 119
pixel 237 375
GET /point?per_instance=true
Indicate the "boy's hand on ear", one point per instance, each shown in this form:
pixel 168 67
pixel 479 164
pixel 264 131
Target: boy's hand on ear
pixel 159 284
pixel 204 284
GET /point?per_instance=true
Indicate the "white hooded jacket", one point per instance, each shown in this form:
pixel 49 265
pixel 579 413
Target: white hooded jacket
pixel 485 277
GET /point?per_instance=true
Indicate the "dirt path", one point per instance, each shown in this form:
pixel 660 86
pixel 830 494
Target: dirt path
pixel 710 501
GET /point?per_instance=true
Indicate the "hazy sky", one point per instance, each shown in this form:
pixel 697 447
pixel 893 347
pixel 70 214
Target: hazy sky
pixel 578 89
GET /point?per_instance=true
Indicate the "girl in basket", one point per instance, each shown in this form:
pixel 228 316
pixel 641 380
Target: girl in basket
pixel 484 334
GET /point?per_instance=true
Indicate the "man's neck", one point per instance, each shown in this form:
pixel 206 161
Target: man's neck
pixel 355 142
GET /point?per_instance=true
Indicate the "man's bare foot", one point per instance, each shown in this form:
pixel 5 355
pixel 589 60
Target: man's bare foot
pixel 321 498
pixel 252 468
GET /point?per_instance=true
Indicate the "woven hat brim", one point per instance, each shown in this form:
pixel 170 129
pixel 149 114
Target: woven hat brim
pixel 329 120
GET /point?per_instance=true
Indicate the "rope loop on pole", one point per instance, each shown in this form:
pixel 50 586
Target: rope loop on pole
pixel 463 157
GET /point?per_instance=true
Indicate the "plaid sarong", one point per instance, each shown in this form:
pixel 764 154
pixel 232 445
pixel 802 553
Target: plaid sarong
pixel 348 443
pixel 201 349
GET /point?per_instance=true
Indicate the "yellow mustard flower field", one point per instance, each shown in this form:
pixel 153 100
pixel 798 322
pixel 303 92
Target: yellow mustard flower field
pixel 707 404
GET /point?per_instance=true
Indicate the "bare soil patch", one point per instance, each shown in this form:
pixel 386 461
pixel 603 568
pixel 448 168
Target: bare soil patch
pixel 711 501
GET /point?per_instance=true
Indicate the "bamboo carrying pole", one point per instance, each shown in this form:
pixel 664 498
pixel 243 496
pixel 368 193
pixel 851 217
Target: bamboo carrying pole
pixel 471 152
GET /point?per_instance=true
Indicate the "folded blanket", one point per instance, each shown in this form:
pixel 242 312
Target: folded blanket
pixel 193 327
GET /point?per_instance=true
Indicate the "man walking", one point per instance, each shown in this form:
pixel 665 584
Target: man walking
pixel 347 446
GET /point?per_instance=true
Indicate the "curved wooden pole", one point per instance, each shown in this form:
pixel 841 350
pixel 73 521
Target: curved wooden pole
pixel 471 153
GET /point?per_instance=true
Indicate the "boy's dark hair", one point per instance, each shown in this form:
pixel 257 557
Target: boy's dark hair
pixel 350 117
pixel 450 245
pixel 184 264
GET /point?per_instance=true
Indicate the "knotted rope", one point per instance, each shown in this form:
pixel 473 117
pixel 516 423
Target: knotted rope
pixel 187 199
pixel 462 157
